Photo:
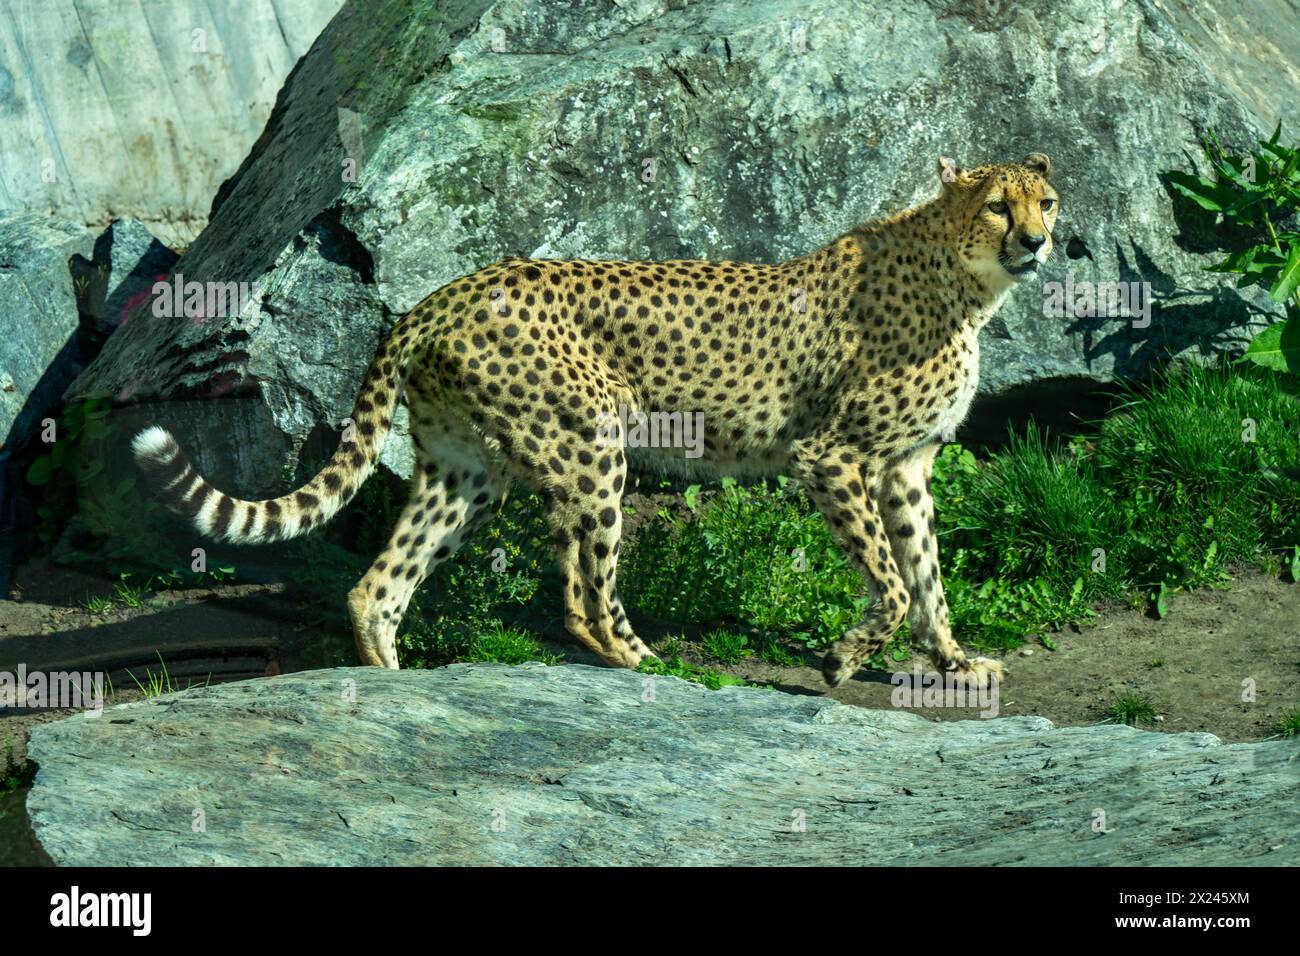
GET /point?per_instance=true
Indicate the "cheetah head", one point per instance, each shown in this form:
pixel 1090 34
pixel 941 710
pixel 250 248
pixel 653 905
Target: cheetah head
pixel 1004 216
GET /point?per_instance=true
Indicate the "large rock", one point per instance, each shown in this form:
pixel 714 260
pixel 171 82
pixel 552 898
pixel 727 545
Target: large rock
pixel 63 291
pixel 41 348
pixel 728 129
pixel 141 109
pixel 485 764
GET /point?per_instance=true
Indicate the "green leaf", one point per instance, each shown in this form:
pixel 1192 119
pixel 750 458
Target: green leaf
pixel 1277 347
pixel 1233 171
pixel 1289 278
pixel 1295 564
pixel 1238 261
pixel 1204 193
pixel 40 470
pixel 692 497
pixel 1162 601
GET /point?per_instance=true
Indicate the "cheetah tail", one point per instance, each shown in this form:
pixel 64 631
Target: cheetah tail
pixel 173 480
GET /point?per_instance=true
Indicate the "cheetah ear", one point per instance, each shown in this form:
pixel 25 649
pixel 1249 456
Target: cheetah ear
pixel 1039 163
pixel 948 170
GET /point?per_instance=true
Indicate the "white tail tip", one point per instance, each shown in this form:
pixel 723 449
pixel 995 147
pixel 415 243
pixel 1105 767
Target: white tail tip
pixel 153 444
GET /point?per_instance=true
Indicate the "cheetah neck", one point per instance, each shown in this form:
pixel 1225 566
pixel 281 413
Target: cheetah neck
pixel 932 232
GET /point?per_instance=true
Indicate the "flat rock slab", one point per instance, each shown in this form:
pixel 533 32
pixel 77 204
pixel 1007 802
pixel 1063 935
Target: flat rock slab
pixel 487 764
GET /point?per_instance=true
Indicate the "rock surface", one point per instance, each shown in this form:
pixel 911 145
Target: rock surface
pixel 139 109
pixel 41 351
pixel 486 764
pixel 63 291
pixel 732 129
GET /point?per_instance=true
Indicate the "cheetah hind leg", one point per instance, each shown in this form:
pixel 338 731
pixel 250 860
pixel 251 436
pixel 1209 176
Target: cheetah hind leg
pixel 448 500
pixel 587 520
pixel 593 612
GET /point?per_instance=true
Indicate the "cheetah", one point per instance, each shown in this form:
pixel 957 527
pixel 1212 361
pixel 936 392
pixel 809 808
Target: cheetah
pixel 845 368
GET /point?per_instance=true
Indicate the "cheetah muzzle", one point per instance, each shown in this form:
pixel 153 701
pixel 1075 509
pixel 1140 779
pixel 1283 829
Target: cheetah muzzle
pixel 845 368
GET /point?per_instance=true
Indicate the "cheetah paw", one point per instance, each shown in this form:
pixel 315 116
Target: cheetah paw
pixel 836 669
pixel 977 672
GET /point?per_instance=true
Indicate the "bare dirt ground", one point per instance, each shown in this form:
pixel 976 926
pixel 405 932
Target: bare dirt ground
pixel 1194 666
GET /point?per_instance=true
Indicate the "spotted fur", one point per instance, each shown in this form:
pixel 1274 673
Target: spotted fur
pixel 845 368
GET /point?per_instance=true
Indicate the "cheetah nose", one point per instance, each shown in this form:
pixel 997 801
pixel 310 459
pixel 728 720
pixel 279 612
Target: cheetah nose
pixel 1032 242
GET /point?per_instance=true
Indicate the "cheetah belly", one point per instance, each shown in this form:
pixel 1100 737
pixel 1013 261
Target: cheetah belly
pixel 951 417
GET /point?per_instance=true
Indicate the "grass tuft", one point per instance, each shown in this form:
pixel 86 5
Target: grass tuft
pixel 1131 709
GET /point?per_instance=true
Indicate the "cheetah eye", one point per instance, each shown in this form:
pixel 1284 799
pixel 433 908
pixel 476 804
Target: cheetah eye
pixel 998 207
pixel 1047 204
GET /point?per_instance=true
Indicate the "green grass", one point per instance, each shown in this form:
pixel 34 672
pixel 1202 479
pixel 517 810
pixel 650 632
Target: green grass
pixel 758 556
pixel 508 645
pixel 128 594
pixel 160 683
pixel 1131 709
pixel 772 651
pixel 726 647
pixel 676 667
pixel 133 596
pixel 1289 724
pixel 12 775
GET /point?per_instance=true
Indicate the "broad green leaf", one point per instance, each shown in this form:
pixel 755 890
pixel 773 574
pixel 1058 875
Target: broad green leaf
pixel 1204 193
pixel 1162 601
pixel 40 470
pixel 692 496
pixel 95 428
pixel 1232 169
pixel 1238 261
pixel 1277 347
pixel 1289 278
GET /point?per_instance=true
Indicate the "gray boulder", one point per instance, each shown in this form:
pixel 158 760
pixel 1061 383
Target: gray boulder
pixel 417 142
pixel 128 261
pixel 41 350
pixel 140 110
pixel 485 764
pixel 63 291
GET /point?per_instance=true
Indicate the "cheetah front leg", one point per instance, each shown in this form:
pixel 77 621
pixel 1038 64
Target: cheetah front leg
pixel 908 511
pixel 843 491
